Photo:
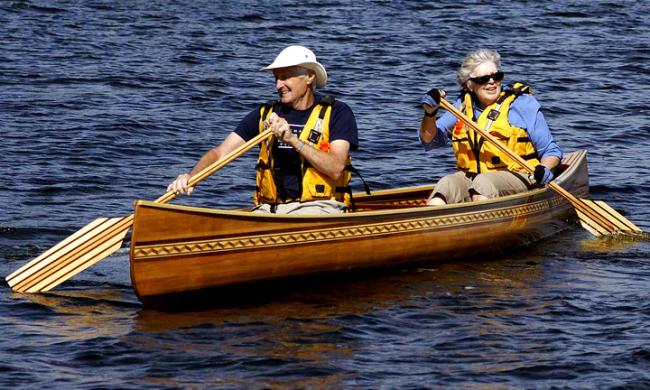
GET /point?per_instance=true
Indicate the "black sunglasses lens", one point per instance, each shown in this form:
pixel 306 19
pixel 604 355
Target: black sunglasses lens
pixel 498 76
pixel 482 79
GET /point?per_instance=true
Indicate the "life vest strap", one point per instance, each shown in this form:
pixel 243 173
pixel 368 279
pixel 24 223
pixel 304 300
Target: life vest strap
pixel 267 108
pixel 354 170
pixel 530 156
pixel 520 88
pixel 262 165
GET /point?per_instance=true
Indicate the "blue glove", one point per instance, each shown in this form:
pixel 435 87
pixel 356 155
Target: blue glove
pixel 542 174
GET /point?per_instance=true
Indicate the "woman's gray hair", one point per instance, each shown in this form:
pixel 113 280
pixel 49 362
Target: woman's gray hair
pixel 474 59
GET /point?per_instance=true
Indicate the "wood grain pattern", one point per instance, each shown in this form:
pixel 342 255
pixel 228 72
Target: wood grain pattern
pixel 180 249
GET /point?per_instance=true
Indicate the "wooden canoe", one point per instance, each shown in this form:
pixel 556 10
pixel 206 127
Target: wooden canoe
pixel 181 250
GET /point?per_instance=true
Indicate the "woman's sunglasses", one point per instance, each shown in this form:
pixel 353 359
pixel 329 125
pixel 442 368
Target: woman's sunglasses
pixel 497 76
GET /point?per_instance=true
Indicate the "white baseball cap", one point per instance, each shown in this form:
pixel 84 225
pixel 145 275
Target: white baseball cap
pixel 299 56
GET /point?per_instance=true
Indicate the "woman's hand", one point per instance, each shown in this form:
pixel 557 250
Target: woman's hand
pixel 431 101
pixel 542 174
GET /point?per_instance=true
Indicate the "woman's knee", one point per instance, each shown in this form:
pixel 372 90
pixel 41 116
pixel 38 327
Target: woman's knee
pixel 482 185
pixel 453 188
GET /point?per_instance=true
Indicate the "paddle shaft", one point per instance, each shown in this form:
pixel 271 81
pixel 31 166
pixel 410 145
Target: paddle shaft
pixel 577 203
pixel 212 168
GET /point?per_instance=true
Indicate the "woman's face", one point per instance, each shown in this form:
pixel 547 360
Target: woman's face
pixel 488 92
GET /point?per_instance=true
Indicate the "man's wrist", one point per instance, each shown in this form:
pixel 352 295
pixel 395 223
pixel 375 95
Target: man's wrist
pixel 301 145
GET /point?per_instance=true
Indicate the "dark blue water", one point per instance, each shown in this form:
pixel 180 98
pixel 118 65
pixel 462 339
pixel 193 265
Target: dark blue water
pixel 104 102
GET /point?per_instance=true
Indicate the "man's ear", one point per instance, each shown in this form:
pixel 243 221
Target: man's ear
pixel 311 78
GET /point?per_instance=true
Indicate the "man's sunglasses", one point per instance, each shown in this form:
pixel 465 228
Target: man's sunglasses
pixel 497 76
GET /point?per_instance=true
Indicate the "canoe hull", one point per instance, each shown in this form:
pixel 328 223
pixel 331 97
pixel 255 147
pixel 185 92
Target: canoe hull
pixel 179 249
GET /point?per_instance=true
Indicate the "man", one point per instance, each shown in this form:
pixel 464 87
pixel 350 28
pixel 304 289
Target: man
pixel 305 167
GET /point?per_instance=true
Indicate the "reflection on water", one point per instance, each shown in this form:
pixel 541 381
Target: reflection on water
pixel 79 315
pixel 611 244
pixel 358 295
pixel 284 312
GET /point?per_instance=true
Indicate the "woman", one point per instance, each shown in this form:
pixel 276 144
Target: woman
pixel 511 115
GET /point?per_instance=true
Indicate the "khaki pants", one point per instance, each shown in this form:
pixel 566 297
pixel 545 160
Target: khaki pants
pixel 297 208
pixel 458 188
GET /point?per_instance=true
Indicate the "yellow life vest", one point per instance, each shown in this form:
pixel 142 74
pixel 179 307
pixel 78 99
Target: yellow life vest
pixel 474 155
pixel 314 185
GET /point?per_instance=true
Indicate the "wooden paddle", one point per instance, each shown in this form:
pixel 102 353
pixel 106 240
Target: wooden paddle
pixel 595 216
pixel 98 239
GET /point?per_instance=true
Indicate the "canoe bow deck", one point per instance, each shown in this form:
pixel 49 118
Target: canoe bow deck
pixel 179 249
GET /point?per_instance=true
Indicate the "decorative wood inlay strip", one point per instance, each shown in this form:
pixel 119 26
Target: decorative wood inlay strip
pixel 145 252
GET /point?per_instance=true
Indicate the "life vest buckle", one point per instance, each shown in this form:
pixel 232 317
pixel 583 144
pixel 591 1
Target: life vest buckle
pixel 314 136
pixel 493 115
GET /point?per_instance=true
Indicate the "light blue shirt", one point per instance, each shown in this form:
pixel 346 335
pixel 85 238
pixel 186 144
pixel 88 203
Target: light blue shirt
pixel 524 113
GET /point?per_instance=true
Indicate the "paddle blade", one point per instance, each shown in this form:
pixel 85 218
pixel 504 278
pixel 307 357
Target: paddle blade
pixel 92 243
pixel 622 222
pixel 617 226
pixel 590 225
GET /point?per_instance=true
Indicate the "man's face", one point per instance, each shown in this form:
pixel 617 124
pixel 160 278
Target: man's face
pixel 293 84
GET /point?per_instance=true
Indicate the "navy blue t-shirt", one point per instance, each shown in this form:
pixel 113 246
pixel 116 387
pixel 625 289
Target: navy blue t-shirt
pixel 343 126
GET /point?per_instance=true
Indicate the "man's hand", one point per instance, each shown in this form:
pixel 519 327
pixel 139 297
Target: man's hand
pixel 180 185
pixel 280 127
